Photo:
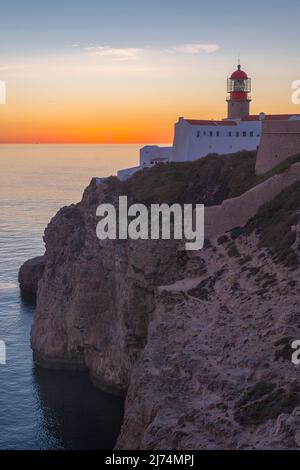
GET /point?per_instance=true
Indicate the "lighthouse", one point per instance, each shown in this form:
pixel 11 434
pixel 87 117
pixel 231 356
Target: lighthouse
pixel 239 131
pixel 238 100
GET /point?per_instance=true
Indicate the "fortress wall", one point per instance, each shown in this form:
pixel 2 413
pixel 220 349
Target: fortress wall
pixel 279 140
pixel 236 212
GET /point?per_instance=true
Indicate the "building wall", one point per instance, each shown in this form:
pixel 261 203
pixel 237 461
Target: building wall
pixel 192 142
pixel 181 141
pixel 151 153
pixel 127 172
pixel 280 140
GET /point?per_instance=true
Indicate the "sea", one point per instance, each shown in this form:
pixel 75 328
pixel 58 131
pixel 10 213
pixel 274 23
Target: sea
pixel 39 408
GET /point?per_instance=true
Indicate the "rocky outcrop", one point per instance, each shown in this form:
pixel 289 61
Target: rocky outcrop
pixel 30 274
pixel 199 341
pixel 216 372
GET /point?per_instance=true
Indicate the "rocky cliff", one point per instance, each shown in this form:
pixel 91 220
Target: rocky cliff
pixel 199 341
pixel 30 274
pixel 95 299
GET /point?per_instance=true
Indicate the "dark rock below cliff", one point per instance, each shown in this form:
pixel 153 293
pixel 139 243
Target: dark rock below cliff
pixel 29 276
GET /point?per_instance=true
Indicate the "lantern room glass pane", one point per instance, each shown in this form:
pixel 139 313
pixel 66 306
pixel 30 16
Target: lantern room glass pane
pixel 239 85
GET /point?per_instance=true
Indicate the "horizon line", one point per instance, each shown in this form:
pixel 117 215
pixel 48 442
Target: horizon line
pixel 86 143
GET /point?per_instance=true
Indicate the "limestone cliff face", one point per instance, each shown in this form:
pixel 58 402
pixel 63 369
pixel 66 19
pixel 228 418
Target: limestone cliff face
pixel 216 372
pixel 199 340
pixel 95 299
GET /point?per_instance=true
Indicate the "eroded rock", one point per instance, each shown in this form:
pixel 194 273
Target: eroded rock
pixel 30 274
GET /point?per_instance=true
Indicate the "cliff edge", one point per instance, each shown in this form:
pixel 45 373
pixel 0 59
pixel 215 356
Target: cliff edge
pixel 200 342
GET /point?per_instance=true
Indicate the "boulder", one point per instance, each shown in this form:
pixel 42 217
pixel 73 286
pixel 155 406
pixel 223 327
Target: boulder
pixel 30 274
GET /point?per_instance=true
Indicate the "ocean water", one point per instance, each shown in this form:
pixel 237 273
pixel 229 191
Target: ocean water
pixel 44 409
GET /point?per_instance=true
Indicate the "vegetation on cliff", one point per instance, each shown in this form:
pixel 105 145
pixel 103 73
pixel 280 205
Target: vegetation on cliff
pixel 214 178
pixel 275 221
pixel 207 181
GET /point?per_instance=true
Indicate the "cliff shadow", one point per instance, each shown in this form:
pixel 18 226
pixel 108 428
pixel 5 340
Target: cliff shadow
pixel 76 415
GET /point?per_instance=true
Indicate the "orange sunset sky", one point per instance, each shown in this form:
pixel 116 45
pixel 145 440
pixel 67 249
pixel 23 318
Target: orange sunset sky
pixel 92 76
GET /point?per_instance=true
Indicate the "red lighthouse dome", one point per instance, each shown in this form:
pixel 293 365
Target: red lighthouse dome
pixel 239 74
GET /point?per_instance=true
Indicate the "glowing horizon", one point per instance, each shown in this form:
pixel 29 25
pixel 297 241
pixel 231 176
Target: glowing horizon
pixel 128 82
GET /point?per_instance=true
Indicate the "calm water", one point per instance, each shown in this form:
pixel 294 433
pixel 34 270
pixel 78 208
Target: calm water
pixel 42 409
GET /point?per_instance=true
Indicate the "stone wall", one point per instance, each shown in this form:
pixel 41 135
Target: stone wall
pixel 279 140
pixel 237 211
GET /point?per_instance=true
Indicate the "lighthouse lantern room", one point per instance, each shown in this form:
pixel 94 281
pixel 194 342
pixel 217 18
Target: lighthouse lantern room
pixel 238 87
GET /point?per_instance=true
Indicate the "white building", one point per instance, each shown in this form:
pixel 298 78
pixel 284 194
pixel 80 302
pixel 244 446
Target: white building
pixel 194 139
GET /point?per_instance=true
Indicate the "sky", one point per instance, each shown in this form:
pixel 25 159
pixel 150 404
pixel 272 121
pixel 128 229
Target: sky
pixel 123 71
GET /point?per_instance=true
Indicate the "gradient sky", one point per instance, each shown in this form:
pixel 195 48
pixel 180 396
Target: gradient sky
pixel 124 71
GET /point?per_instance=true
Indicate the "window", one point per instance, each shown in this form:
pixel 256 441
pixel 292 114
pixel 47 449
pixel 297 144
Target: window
pixel 198 134
pixel 237 134
pixel 230 134
pixel 251 134
pixel 210 134
pixel 244 134
pixel 218 133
